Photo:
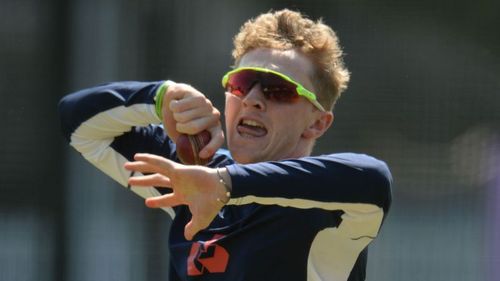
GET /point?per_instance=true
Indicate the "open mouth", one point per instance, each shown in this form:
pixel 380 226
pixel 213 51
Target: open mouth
pixel 251 128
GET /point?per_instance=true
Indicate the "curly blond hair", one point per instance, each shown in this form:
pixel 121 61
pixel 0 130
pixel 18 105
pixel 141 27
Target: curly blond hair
pixel 285 30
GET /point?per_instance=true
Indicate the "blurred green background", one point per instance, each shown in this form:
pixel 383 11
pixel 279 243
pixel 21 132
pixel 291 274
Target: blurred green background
pixel 424 96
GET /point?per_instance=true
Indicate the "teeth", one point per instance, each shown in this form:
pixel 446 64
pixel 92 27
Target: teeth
pixel 252 123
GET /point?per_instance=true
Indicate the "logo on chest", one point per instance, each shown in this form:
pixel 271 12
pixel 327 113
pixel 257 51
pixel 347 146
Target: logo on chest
pixel 207 257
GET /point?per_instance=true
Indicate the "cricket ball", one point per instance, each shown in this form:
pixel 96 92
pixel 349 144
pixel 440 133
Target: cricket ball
pixel 189 146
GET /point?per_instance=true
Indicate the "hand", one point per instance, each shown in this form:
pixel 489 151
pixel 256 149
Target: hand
pixel 197 187
pixel 186 110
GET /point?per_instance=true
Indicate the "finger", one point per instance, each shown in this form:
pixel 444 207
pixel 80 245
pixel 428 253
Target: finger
pixel 142 167
pixel 197 125
pixel 157 180
pixel 191 114
pixel 168 200
pixel 161 164
pixel 215 143
pixel 190 102
pixel 178 91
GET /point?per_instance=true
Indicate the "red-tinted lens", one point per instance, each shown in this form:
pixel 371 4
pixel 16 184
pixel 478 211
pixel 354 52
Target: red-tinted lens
pixel 277 89
pixel 273 86
pixel 240 83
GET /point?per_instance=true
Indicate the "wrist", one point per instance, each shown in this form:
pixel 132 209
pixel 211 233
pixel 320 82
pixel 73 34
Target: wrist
pixel 160 93
pixel 224 187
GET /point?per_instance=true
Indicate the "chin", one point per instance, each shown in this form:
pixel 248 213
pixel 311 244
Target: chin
pixel 241 153
pixel 242 157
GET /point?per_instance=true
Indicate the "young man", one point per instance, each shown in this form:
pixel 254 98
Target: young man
pixel 270 211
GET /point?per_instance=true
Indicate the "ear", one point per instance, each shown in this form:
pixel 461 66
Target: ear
pixel 319 125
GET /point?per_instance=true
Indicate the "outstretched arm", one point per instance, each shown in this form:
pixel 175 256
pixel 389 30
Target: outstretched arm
pixel 358 185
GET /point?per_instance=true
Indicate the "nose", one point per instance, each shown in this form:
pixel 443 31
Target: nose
pixel 255 98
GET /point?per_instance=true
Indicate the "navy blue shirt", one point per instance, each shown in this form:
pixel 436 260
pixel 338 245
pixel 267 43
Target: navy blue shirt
pixel 310 218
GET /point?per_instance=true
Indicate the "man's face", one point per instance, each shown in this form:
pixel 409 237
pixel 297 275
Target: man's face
pixel 259 129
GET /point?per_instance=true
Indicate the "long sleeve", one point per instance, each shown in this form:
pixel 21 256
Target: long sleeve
pixel 358 185
pixel 108 124
pixel 126 104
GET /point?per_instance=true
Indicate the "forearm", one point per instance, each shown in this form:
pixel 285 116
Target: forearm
pixel 359 186
pixel 108 110
pixel 104 123
pixel 313 182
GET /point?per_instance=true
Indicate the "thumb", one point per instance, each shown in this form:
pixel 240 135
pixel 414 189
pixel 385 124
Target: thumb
pixel 190 230
pixel 216 141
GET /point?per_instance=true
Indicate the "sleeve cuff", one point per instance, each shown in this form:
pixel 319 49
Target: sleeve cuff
pixel 235 172
pixel 160 93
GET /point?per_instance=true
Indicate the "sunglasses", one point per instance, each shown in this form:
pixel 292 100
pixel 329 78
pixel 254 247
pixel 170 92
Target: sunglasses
pixel 275 86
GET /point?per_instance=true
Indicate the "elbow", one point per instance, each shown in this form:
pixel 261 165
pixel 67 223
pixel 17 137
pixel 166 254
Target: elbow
pixel 381 176
pixel 386 186
pixel 66 111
